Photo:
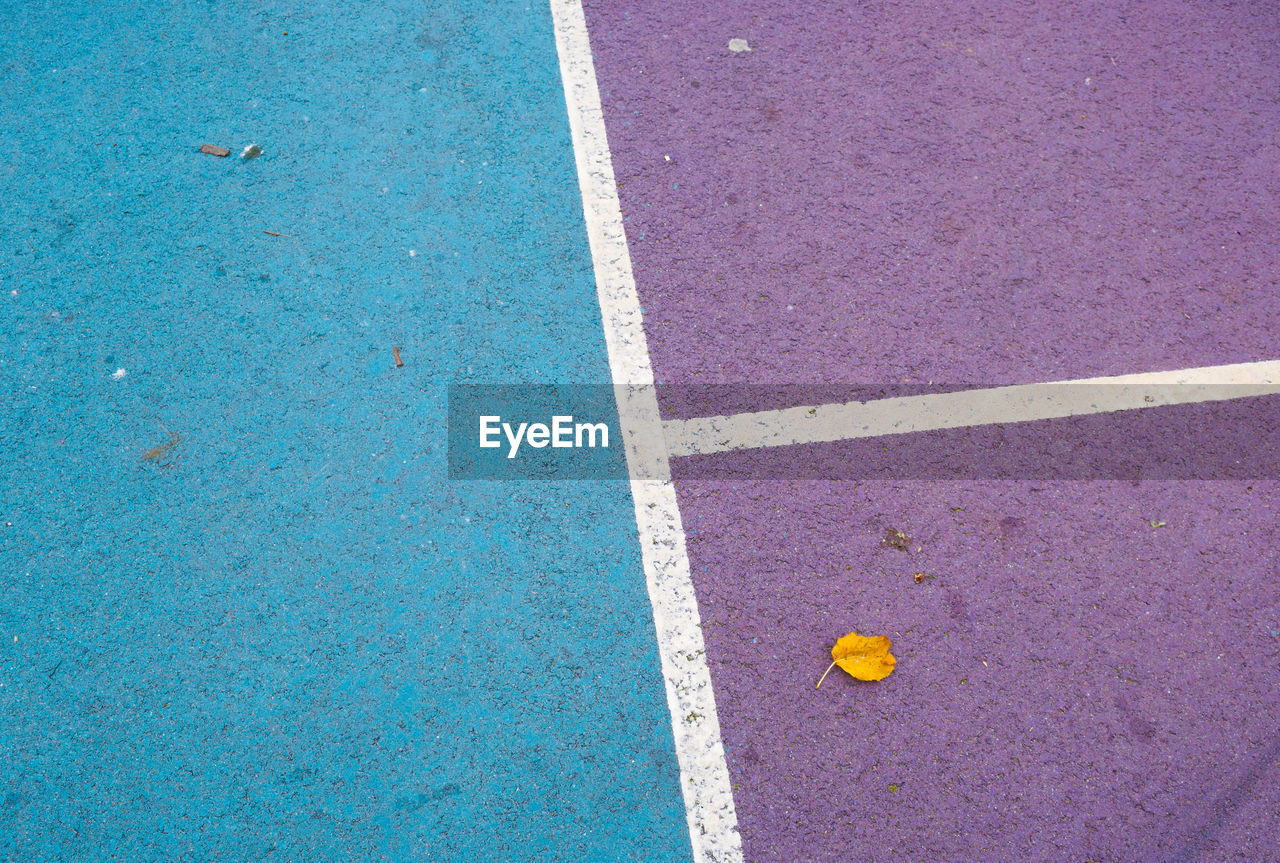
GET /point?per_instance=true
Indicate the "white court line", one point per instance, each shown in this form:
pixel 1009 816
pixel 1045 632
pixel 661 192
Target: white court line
pixel 704 775
pixel 1010 404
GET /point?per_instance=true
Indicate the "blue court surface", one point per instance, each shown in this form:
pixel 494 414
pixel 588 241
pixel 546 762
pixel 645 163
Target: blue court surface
pixel 244 613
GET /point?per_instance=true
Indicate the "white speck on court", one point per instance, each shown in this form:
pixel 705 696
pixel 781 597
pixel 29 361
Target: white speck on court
pixel 738 46
pixel 413 253
pixel 118 374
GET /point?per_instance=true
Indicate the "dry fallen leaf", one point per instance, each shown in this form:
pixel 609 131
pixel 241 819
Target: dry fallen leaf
pixel 865 657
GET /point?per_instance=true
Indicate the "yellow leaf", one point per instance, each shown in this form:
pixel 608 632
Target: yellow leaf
pixel 864 657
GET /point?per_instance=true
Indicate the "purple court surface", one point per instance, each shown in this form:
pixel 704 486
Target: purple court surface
pixel 982 192
pixel 971 193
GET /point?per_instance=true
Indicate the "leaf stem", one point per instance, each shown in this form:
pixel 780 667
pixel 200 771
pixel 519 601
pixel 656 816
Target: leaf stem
pixel 824 675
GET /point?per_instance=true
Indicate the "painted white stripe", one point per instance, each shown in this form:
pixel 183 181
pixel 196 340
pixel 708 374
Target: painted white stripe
pixel 1010 404
pixel 708 800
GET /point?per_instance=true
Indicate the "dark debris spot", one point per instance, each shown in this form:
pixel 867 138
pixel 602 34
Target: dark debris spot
pixel 894 538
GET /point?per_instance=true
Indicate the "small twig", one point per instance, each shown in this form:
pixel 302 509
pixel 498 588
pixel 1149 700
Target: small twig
pixel 274 234
pixel 396 353
pixel 156 453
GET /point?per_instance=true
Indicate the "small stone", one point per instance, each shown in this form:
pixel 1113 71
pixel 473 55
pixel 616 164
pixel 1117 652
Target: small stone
pixel 738 46
pixel 215 150
pixel 252 151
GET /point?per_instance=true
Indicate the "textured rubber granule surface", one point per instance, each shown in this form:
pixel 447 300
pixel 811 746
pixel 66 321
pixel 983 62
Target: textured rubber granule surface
pixel 244 614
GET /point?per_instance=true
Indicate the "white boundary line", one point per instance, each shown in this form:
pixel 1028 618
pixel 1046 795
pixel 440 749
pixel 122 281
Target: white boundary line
pixel 704 775
pixel 1020 403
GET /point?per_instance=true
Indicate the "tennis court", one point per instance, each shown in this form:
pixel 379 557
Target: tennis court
pixel 949 323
